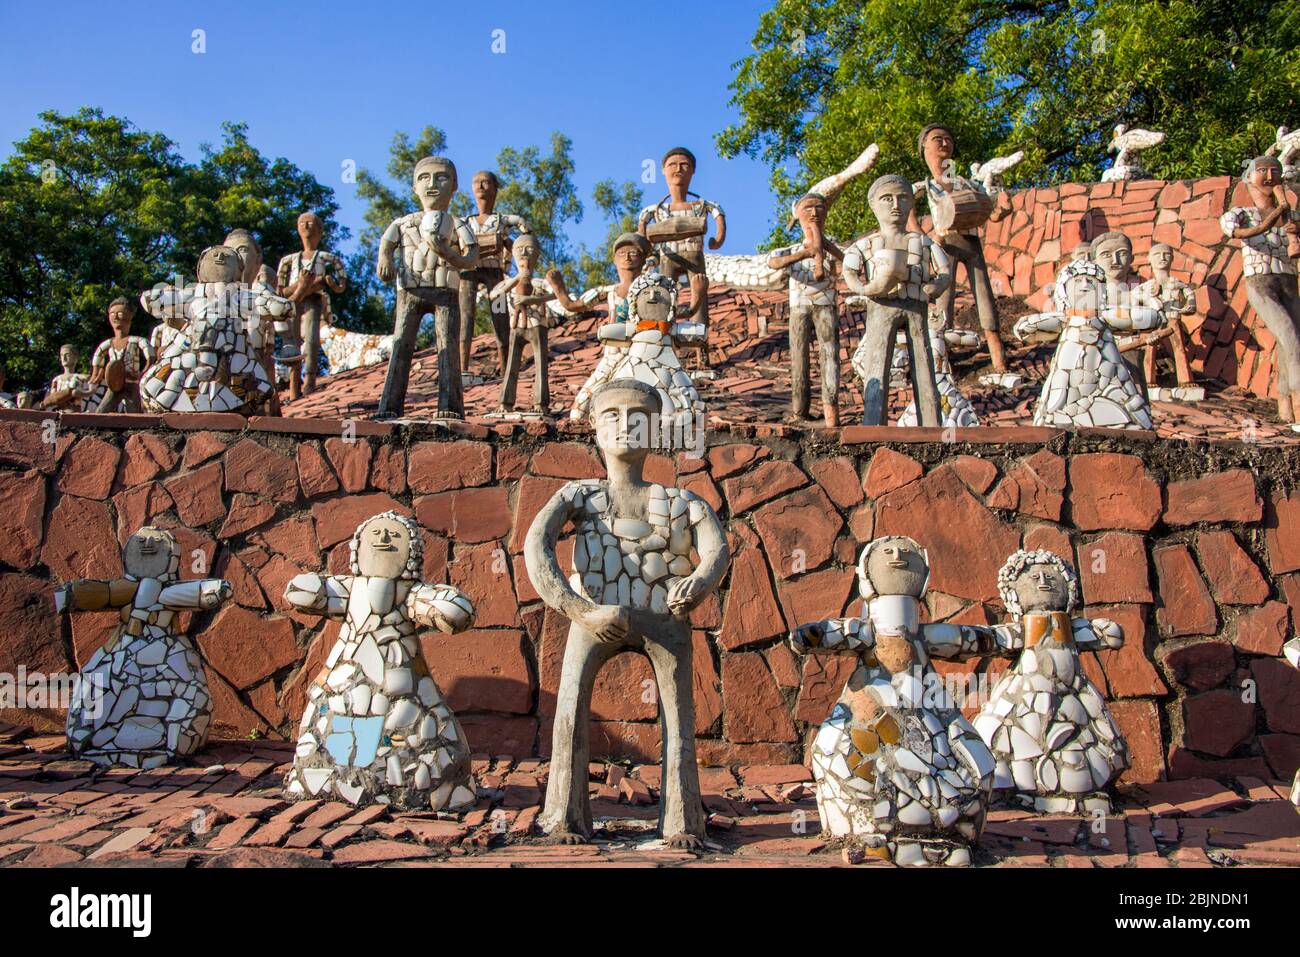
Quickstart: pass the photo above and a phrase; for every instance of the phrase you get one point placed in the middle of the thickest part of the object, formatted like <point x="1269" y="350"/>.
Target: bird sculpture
<point x="990" y="174"/>
<point x="1127" y="145"/>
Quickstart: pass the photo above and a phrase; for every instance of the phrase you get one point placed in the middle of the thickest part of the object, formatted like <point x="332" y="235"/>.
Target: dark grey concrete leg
<point x="567" y="812"/>
<point x="451" y="396"/>
<point x="681" y="810"/>
<point x="925" y="390"/>
<point x="409" y="311"/>
<point x="881" y="323"/>
<point x="827" y="326"/>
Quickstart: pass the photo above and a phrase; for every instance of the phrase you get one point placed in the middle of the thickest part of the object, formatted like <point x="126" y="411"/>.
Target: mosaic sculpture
<point x="1177" y="299"/>
<point x="424" y="254"/>
<point x="142" y="700"/>
<point x="643" y="347"/>
<point x="676" y="225"/>
<point x="70" y="390"/>
<point x="1287" y="150"/>
<point x="119" y="361"/>
<point x="1128" y="145"/>
<point x="1291" y="651"/>
<point x="1088" y="382"/>
<point x="346" y="350"/>
<point x="213" y="364"/>
<point x="990" y="174"/>
<point x="261" y="328"/>
<point x="492" y="234"/>
<point x="958" y="208"/>
<point x="896" y="766"/>
<point x="533" y="310"/>
<point x="632" y="587"/>
<point x="897" y="271"/>
<point x="1056" y="744"/>
<point x="306" y="278"/>
<point x="1268" y="231"/>
<point x="376" y="728"/>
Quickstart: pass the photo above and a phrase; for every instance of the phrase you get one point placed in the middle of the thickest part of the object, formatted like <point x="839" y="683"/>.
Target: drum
<point x="961" y="210"/>
<point x="676" y="229"/>
<point x="115" y="376"/>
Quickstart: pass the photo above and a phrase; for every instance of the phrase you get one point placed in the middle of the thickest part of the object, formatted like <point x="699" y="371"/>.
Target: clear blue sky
<point x="323" y="81"/>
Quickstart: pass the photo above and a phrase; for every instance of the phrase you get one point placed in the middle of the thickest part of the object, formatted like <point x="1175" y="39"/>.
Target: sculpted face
<point x="1083" y="292"/>
<point x="249" y="253"/>
<point x="1267" y="173"/>
<point x="220" y="264"/>
<point x="148" y="553"/>
<point x="68" y="357"/>
<point x="624" y="420"/>
<point x="938" y="148"/>
<point x="527" y="252"/>
<point x="654" y="303"/>
<point x="434" y="181"/>
<point x="1081" y="252"/>
<point x="1042" y="588"/>
<point x="485" y="192"/>
<point x="310" y="230"/>
<point x="1116" y="258"/>
<point x="119" y="317"/>
<point x="897" y="567"/>
<point x="811" y="213"/>
<point x="629" y="258"/>
<point x="1162" y="257"/>
<point x="384" y="548"/>
<point x="892" y="203"/>
<point x="678" y="170"/>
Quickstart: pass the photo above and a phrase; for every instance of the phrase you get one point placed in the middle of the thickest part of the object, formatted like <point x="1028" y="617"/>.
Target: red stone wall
<point x="1026" y="249"/>
<point x="1195" y="550"/>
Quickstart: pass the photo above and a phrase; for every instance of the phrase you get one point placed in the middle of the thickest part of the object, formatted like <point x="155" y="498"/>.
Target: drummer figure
<point x="676" y="225"/>
<point x="119" y="361"/>
<point x="944" y="187"/>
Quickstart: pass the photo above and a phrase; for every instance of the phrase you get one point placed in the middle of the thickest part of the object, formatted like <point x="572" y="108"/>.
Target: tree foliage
<point x="95" y="208"/>
<point x="1051" y="77"/>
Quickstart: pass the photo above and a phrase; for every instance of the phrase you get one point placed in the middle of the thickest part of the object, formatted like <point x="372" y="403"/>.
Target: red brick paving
<point x="770" y="819"/>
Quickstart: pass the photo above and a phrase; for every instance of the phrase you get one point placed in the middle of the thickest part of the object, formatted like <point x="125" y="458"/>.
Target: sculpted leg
<point x="800" y="327"/>
<point x="828" y="338"/>
<point x="567" y="813"/>
<point x="467" y="292"/>
<point x="311" y="343"/>
<point x="874" y="356"/>
<point x="924" y="389"/>
<point x="514" y="358"/>
<point x="541" y="363"/>
<point x="451" y="398"/>
<point x="681" y="814"/>
<point x="409" y="311"/>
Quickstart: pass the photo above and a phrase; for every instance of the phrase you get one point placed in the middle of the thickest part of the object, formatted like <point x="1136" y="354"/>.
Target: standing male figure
<point x="425" y="254"/>
<point x="899" y="270"/>
<point x="633" y="587"/>
<point x="811" y="268"/>
<point x="684" y="255"/>
<point x="304" y="278"/>
<point x="937" y="146"/>
<point x="492" y="233"/>
<point x="1266" y="231"/>
<point x="120" y="360"/>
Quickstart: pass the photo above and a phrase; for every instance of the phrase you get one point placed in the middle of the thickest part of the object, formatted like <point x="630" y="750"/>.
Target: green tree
<point x="540" y="189"/>
<point x="1051" y="77"/>
<point x="95" y="208"/>
<point x="619" y="204"/>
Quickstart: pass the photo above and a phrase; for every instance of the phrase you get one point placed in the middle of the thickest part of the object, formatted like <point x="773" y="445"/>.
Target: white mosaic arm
<point x="444" y="607"/>
<point x="1039" y="327"/>
<point x="959" y="642"/>
<point x="964" y="338"/>
<point x="1137" y="319"/>
<point x="543" y="566"/>
<point x="1097" y="634"/>
<point x="204" y="593"/>
<point x="743" y="272"/>
<point x="833" y="636"/>
<point x="327" y="596"/>
<point x="167" y="302"/>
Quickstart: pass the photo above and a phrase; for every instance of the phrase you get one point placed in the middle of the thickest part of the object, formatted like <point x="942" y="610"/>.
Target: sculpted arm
<point x="444" y="607"/>
<point x="88" y="594"/>
<point x="313" y="594"/>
